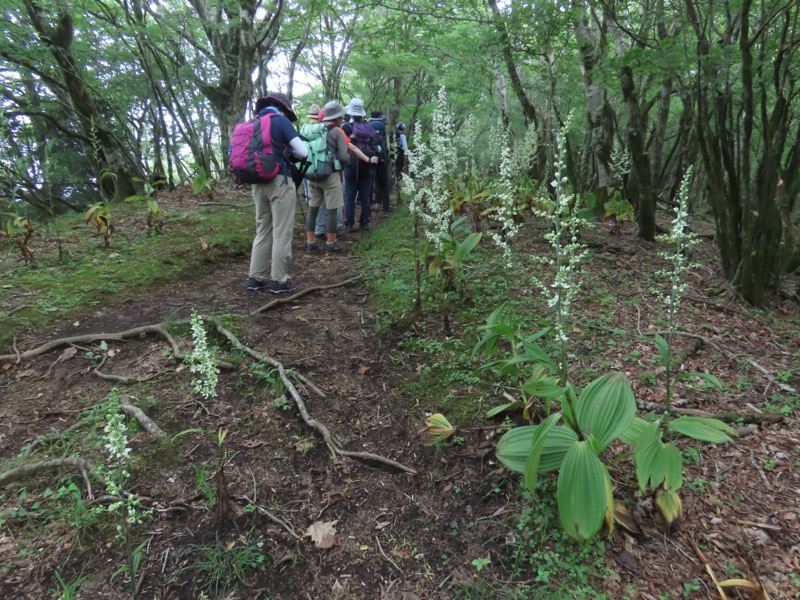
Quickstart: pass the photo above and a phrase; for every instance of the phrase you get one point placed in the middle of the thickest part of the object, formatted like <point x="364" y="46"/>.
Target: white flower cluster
<point x="118" y="461"/>
<point x="620" y="162"/>
<point x="563" y="237"/>
<point x="682" y="239"/>
<point x="432" y="166"/>
<point x="201" y="361"/>
<point x="504" y="209"/>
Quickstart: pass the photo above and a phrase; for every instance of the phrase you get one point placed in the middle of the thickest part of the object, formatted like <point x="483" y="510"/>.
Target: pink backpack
<point x="252" y="157"/>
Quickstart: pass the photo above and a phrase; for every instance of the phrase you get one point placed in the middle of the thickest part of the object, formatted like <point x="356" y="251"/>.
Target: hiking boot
<point x="364" y="227"/>
<point x="257" y="285"/>
<point x="277" y="287"/>
<point x="333" y="248"/>
<point x="312" y="247"/>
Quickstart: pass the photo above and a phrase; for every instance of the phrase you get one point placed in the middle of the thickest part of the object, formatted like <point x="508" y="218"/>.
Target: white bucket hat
<point x="356" y="108"/>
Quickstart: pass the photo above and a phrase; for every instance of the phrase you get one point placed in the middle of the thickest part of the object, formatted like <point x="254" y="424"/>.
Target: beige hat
<point x="313" y="112"/>
<point x="333" y="110"/>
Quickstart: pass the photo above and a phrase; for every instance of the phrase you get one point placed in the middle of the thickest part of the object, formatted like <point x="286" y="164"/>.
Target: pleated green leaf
<point x="631" y="435"/>
<point x="515" y="446"/>
<point x="657" y="463"/>
<point x="606" y="407"/>
<point x="703" y="429"/>
<point x="537" y="445"/>
<point x="581" y="494"/>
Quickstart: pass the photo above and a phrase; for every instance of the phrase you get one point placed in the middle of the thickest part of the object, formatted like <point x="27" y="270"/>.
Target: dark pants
<point x="382" y="186"/>
<point x="357" y="186"/>
<point x="399" y="165"/>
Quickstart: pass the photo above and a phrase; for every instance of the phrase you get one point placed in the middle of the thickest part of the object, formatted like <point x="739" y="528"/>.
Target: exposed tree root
<point x="159" y="329"/>
<point x="300" y="294"/>
<point x="145" y="421"/>
<point x="333" y="446"/>
<point x="32" y="469"/>
<point x="120" y="378"/>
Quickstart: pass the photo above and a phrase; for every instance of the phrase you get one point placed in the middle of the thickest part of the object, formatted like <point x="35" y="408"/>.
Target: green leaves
<point x="657" y="463"/>
<point x="515" y="446"/>
<point x="537" y="446"/>
<point x="606" y="408"/>
<point x="713" y="431"/>
<point x="582" y="500"/>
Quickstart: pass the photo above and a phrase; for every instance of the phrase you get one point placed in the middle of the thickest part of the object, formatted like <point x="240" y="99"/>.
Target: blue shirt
<point x="282" y="133"/>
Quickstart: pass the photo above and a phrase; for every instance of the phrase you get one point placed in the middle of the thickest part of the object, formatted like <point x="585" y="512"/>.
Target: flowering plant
<point x="201" y="359"/>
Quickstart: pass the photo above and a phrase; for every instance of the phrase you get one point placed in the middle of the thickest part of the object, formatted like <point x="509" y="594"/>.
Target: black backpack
<point x="380" y="134"/>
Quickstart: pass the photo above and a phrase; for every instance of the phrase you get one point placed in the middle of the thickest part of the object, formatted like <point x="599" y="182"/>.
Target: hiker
<point x="315" y="115"/>
<point x="402" y="149"/>
<point x="275" y="202"/>
<point x="358" y="179"/>
<point x="377" y="120"/>
<point x="327" y="195"/>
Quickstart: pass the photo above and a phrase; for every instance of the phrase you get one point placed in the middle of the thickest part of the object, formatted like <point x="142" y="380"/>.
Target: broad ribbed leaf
<point x="515" y="446"/>
<point x="606" y="407"/>
<point x="631" y="435"/>
<point x="699" y="428"/>
<point x="645" y="456"/>
<point x="673" y="467"/>
<point x="537" y="445"/>
<point x="656" y="462"/>
<point x="582" y="492"/>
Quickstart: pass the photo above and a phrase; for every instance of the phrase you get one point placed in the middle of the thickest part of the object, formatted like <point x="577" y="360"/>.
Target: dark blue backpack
<point x="365" y="138"/>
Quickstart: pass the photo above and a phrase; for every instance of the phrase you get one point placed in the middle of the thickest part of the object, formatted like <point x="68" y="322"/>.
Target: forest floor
<point x="458" y="527"/>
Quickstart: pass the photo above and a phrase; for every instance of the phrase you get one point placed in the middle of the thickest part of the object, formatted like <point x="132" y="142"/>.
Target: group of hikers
<point x="359" y="159"/>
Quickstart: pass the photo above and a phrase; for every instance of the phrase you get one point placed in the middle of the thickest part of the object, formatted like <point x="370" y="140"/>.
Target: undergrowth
<point x="68" y="251"/>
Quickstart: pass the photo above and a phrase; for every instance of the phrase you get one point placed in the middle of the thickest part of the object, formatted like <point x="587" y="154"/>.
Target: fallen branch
<point x="300" y="294"/>
<point x="333" y="446"/>
<point x="726" y="417"/>
<point x="390" y="561"/>
<point x="31" y="469"/>
<point x="145" y="421"/>
<point x="275" y="519"/>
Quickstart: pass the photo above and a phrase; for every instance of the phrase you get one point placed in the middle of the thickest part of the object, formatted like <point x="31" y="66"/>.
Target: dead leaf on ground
<point x="304" y="446"/>
<point x="363" y="369"/>
<point x="203" y="244"/>
<point x="253" y="443"/>
<point x="323" y="534"/>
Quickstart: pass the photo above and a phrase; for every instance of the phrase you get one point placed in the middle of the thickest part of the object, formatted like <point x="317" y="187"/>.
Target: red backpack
<point x="253" y="158"/>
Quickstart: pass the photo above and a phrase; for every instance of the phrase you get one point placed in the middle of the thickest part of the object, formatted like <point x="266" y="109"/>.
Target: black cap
<point x="376" y="114"/>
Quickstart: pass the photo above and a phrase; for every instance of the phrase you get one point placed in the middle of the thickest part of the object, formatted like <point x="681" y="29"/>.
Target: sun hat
<point x="279" y="100"/>
<point x="356" y="108"/>
<point x="313" y="112"/>
<point x="321" y="116"/>
<point x="401" y="125"/>
<point x="333" y="110"/>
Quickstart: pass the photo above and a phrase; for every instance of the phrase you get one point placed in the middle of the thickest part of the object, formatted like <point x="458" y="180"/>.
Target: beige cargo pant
<point x="272" y="247"/>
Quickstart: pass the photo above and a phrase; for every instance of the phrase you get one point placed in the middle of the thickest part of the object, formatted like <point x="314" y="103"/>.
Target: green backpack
<point x="320" y="159"/>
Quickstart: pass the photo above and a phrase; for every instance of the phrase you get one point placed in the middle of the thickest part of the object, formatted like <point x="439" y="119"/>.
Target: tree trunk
<point x="117" y="168"/>
<point x="599" y="111"/>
